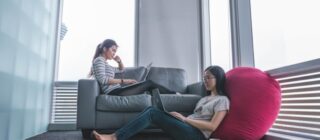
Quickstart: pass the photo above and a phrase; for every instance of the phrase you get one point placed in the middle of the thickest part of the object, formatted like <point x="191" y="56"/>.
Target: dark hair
<point x="108" y="43"/>
<point x="220" y="76"/>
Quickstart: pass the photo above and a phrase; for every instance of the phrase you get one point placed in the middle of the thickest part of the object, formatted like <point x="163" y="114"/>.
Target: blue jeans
<point x="169" y="124"/>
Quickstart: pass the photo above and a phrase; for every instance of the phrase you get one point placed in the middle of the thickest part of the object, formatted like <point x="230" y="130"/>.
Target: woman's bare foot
<point x="97" y="135"/>
<point x="103" y="136"/>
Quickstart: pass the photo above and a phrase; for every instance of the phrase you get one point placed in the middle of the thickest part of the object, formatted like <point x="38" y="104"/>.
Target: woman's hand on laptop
<point x="129" y="81"/>
<point x="178" y="116"/>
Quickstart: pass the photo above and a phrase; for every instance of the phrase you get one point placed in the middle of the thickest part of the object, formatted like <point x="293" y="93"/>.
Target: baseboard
<point x="62" y="127"/>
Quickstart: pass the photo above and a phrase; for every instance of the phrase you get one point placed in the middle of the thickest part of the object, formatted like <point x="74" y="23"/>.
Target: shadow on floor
<point x="76" y="135"/>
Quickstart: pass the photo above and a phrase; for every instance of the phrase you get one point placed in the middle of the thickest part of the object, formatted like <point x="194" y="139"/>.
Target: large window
<point x="88" y="24"/>
<point x="221" y="53"/>
<point x="285" y="32"/>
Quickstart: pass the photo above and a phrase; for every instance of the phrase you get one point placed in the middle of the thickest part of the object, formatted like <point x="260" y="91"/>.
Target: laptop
<point x="158" y="102"/>
<point x="143" y="79"/>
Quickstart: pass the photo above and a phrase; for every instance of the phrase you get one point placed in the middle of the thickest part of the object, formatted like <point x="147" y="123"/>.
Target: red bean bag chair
<point x="255" y="100"/>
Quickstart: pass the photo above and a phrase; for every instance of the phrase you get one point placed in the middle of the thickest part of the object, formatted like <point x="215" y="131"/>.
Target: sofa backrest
<point x="172" y="78"/>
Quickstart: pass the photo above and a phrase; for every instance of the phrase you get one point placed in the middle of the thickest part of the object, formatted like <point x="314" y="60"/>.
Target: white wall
<point x="169" y="35"/>
<point x="27" y="52"/>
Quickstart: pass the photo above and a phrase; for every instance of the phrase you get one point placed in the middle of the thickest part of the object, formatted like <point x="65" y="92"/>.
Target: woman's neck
<point x="214" y="92"/>
<point x="104" y="56"/>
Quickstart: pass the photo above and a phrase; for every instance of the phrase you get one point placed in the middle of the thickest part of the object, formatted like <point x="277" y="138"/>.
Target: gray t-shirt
<point x="102" y="71"/>
<point x="206" y="108"/>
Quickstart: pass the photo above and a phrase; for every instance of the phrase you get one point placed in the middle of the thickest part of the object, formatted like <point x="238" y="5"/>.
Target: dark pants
<point x="169" y="124"/>
<point x="137" y="88"/>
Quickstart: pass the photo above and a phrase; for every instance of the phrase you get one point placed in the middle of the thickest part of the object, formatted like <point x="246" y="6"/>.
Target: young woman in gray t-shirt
<point x="208" y="114"/>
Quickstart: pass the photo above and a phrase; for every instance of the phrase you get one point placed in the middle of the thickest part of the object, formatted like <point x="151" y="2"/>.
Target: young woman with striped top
<point x="105" y="73"/>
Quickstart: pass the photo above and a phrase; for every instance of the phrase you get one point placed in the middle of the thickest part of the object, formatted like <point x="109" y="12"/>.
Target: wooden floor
<point x="76" y="135"/>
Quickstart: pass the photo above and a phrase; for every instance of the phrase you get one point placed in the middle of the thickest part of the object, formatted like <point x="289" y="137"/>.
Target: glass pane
<point x="27" y="48"/>
<point x="221" y="53"/>
<point x="285" y="32"/>
<point x="88" y="24"/>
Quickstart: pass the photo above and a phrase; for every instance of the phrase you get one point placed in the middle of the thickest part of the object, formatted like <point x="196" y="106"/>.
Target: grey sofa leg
<point x="86" y="133"/>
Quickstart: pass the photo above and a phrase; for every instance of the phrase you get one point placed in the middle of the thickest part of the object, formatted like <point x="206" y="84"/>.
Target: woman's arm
<point x="203" y="125"/>
<point x="99" y="67"/>
<point x="212" y="125"/>
<point x="120" y="64"/>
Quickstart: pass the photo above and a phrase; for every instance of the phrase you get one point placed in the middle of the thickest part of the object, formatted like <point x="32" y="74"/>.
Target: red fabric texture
<point x="255" y="99"/>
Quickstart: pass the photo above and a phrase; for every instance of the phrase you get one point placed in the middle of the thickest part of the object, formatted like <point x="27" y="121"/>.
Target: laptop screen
<point x="147" y="72"/>
<point x="157" y="99"/>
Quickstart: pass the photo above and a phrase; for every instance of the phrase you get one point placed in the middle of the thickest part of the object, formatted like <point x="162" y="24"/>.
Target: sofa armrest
<point x="88" y="90"/>
<point x="197" y="88"/>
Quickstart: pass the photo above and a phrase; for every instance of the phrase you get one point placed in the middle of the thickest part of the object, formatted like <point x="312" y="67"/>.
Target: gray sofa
<point x="108" y="113"/>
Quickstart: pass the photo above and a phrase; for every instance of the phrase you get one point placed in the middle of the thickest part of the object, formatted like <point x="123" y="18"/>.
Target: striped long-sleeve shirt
<point x="102" y="71"/>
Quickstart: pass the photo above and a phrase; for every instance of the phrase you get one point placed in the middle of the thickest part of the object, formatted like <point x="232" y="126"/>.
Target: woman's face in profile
<point x="209" y="81"/>
<point x="111" y="52"/>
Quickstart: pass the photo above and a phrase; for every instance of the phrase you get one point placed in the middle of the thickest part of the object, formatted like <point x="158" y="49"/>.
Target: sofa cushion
<point x="173" y="79"/>
<point x="136" y="73"/>
<point x="133" y="103"/>
<point x="179" y="102"/>
<point x="254" y="104"/>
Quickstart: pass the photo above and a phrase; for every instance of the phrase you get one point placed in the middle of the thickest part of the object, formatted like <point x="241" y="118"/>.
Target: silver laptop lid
<point x="157" y="99"/>
<point x="147" y="72"/>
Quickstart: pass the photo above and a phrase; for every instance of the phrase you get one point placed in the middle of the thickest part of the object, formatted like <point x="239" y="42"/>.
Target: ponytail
<point x="96" y="54"/>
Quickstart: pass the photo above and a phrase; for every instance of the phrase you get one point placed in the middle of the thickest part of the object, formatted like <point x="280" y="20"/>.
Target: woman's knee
<point x="153" y="111"/>
<point x="155" y="114"/>
<point x="150" y="108"/>
<point x="150" y="82"/>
